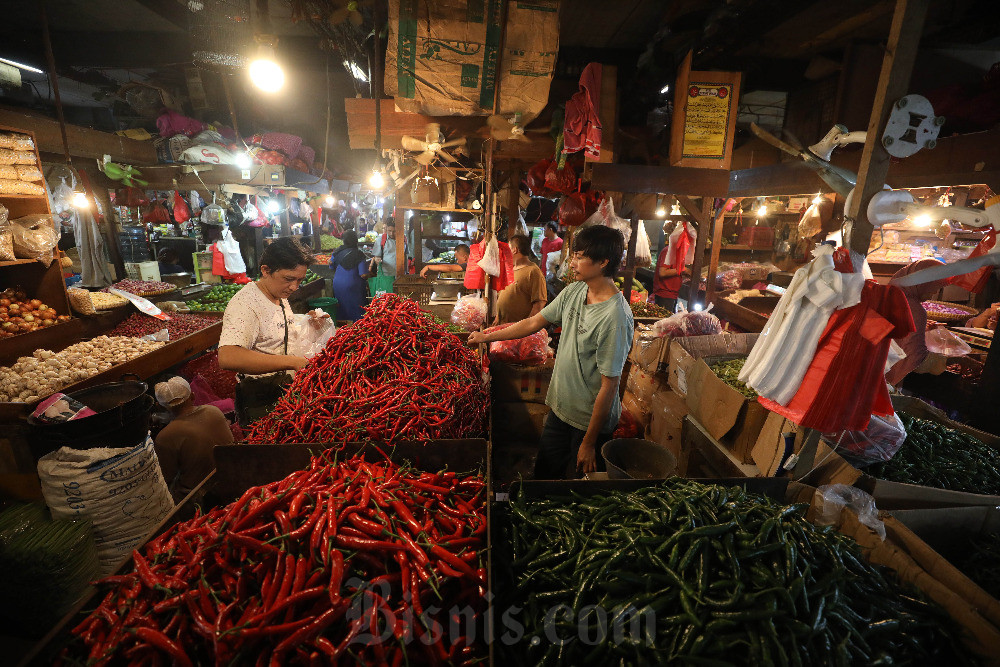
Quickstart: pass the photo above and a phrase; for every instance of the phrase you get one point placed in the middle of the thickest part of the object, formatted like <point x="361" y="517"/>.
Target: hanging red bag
<point x="976" y="280"/>
<point x="157" y="214"/>
<point x="506" y="276"/>
<point x="475" y="277"/>
<point x="130" y="196"/>
<point x="573" y="209"/>
<point x="182" y="213"/>
<point x="535" y="180"/>
<point x="562" y="180"/>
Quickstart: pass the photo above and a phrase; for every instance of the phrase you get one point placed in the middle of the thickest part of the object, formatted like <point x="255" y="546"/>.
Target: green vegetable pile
<point x="934" y="455"/>
<point x="688" y="573"/>
<point x="329" y="242"/>
<point x="729" y="372"/>
<point x="636" y="285"/>
<point x="215" y="300"/>
<point x="311" y="277"/>
<point x="45" y="567"/>
<point x="979" y="559"/>
<point x="447" y="257"/>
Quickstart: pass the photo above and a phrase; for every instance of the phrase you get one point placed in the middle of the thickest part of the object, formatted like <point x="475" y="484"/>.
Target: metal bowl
<point x="177" y="279"/>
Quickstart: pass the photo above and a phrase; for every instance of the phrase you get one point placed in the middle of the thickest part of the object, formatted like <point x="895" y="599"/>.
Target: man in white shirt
<point x="384" y="253"/>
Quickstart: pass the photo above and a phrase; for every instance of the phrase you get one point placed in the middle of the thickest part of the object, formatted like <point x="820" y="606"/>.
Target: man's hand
<point x="477" y="337"/>
<point x="296" y="363"/>
<point x="423" y="271"/>
<point x="586" y="458"/>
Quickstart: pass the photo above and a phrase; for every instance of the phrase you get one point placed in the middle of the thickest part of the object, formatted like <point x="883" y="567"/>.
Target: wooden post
<point x="713" y="264"/>
<point x="703" y="216"/>
<point x="400" y="245"/>
<point x="629" y="274"/>
<point x="897" y="65"/>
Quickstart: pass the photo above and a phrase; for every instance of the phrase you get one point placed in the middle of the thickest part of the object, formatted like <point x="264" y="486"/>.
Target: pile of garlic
<point x="46" y="372"/>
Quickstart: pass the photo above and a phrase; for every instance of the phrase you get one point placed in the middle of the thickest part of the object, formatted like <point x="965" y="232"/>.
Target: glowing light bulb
<point x="354" y="204"/>
<point x="330" y="201"/>
<point x="661" y="212"/>
<point x="762" y="211"/>
<point x="447" y="218"/>
<point x="80" y="200"/>
<point x="665" y="89"/>
<point x="922" y="220"/>
<point x="675" y="209"/>
<point x="267" y="75"/>
<point x="476" y="205"/>
<point x="818" y="199"/>
<point x="696" y="307"/>
<point x="376" y="180"/>
<point x="409" y="214"/>
<point x="271" y="207"/>
<point x="242" y="160"/>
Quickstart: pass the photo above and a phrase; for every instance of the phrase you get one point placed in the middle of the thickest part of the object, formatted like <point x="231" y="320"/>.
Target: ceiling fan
<point x="432" y="145"/>
<point x="396" y="168"/>
<point x="841" y="180"/>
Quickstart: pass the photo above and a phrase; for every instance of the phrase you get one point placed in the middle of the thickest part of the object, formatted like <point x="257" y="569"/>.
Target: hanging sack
<point x="475" y="277"/>
<point x="573" y="209"/>
<point x="559" y="180"/>
<point x="230" y="249"/>
<point x="643" y="254"/>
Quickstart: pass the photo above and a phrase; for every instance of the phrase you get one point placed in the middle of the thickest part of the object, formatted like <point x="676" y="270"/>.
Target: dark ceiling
<point x="99" y="44"/>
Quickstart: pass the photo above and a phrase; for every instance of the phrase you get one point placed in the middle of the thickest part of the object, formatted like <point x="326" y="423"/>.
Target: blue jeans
<point x="558" y="449"/>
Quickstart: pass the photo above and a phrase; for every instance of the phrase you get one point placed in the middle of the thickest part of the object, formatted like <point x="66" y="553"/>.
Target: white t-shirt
<point x="254" y="322"/>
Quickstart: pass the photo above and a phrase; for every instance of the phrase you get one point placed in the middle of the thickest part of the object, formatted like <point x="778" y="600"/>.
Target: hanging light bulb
<point x="447" y="218"/>
<point x="376" y="180"/>
<point x="922" y="220"/>
<point x="330" y="201"/>
<point x="675" y="209"/>
<point x="242" y="160"/>
<point x="354" y="204"/>
<point x="696" y="307"/>
<point x="265" y="72"/>
<point x="762" y="211"/>
<point x="80" y="200"/>
<point x="272" y="207"/>
<point x="818" y="199"/>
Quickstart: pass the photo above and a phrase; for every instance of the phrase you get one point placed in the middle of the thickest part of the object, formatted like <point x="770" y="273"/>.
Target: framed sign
<point x="704" y="121"/>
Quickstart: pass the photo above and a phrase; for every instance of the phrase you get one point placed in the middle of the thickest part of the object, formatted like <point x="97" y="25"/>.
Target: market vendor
<point x="254" y="339"/>
<point x="184" y="446"/>
<point x="597" y="329"/>
<point x="461" y="259"/>
<point x="672" y="264"/>
<point x="384" y="253"/>
<point x="350" y="273"/>
<point x="168" y="261"/>
<point x="551" y="243"/>
<point x="526" y="296"/>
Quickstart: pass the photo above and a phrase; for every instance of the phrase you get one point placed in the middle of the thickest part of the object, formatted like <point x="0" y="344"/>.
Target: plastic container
<point x="327" y="303"/>
<point x="123" y="410"/>
<point x="633" y="458"/>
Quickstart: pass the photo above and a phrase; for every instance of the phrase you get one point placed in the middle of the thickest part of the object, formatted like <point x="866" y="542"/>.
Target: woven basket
<point x="949" y="318"/>
<point x="414" y="287"/>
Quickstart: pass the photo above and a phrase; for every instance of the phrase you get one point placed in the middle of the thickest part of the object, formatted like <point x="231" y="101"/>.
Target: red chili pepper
<point x="162" y="642"/>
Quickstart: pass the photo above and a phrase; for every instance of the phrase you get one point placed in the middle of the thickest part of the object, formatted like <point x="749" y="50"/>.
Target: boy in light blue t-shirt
<point x="597" y="330"/>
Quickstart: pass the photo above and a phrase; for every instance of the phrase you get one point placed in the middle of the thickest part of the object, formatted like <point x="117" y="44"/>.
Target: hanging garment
<point x="781" y="356"/>
<point x="844" y="383"/>
<point x="583" y="122"/>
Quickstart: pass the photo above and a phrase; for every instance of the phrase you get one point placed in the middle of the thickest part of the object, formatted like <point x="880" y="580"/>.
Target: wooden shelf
<point x="741" y="248"/>
<point x="12" y="196"/>
<point x="17" y="262"/>
<point x="438" y="209"/>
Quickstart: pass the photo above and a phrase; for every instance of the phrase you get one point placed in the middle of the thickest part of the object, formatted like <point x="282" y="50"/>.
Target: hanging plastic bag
<point x="535" y="179"/>
<point x="573" y="209"/>
<point x="559" y="180"/>
<point x="34" y="237"/>
<point x="521" y="227"/>
<point x="944" y="342"/>
<point x="6" y="237"/>
<point x="230" y="250"/>
<point x="643" y="253"/>
<point x="213" y="214"/>
<point x="878" y="443"/>
<point x="181" y="211"/>
<point x="157" y="214"/>
<point x="975" y="281"/>
<point x="833" y="498"/>
<point x="490" y="263"/>
<point x="475" y="277"/>
<point x="308" y="335"/>
<point x="469" y="312"/>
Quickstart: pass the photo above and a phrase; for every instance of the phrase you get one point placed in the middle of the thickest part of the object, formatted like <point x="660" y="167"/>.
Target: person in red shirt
<point x="669" y="268"/>
<point x="551" y="243"/>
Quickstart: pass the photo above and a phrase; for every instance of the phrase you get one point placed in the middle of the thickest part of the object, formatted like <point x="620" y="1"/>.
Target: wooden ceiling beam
<point x="665" y="180"/>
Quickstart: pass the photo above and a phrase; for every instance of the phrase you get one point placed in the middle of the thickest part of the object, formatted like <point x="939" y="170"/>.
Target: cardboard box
<point x="513" y="382"/>
<point x="518" y="422"/>
<point x="638" y="409"/>
<point x="667" y="411"/>
<point x="908" y="557"/>
<point x="726" y="414"/>
<point x="685" y="351"/>
<point x="823" y="465"/>
<point x="650" y="352"/>
<point x="703" y="451"/>
<point x="643" y="385"/>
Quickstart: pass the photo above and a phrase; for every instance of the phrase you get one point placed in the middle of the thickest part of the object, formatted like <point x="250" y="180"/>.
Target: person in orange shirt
<point x="526" y="296"/>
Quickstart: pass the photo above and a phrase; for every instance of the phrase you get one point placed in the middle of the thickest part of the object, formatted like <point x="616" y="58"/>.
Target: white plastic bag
<point x="833" y="498"/>
<point x="490" y="263"/>
<point x="230" y="249"/>
<point x="35" y="237"/>
<point x="879" y="442"/>
<point x="306" y="339"/>
<point x="643" y="254"/>
<point x="121" y="491"/>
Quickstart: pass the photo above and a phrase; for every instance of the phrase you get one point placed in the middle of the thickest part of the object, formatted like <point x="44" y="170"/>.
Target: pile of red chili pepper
<point x="350" y="562"/>
<point x="178" y="326"/>
<point x="393" y="375"/>
<point x="223" y="382"/>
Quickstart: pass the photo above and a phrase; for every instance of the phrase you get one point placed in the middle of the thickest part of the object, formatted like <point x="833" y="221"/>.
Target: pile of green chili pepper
<point x="978" y="558"/>
<point x="349" y="562"/>
<point x="729" y="372"/>
<point x="935" y="455"/>
<point x="688" y="573"/>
